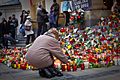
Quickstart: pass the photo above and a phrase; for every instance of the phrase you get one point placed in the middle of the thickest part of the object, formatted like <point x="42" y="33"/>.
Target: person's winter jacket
<point x="41" y="14"/>
<point x="39" y="54"/>
<point x="28" y="24"/>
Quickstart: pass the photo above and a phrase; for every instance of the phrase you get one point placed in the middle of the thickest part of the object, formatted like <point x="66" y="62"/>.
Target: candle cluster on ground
<point x="15" y="58"/>
<point x="93" y="47"/>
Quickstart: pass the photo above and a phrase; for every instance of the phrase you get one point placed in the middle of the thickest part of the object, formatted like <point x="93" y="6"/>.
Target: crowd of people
<point x="8" y="31"/>
<point x="9" y="27"/>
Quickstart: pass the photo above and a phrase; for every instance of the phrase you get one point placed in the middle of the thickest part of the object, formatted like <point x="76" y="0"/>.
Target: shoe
<point x="52" y="71"/>
<point x="59" y="74"/>
<point x="25" y="36"/>
<point x="56" y="72"/>
<point x="41" y="73"/>
<point x="45" y="73"/>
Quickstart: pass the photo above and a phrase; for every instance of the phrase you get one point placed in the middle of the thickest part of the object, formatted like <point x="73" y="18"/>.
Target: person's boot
<point x="56" y="71"/>
<point x="52" y="71"/>
<point x="41" y="73"/>
<point x="47" y="73"/>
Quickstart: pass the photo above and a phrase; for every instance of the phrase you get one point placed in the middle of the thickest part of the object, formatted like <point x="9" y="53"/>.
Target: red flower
<point x="63" y="30"/>
<point x="79" y="17"/>
<point x="72" y="18"/>
<point x="103" y="38"/>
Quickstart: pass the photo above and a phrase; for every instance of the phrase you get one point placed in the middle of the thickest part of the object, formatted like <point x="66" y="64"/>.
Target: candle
<point x="74" y="67"/>
<point x="63" y="67"/>
<point x="68" y="67"/>
<point x="82" y="66"/>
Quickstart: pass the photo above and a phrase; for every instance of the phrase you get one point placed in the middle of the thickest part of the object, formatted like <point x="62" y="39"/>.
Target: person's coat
<point x="28" y="24"/>
<point x="38" y="54"/>
<point x="41" y="14"/>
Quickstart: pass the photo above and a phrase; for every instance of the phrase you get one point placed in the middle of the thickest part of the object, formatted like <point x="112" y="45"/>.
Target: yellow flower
<point x="69" y="46"/>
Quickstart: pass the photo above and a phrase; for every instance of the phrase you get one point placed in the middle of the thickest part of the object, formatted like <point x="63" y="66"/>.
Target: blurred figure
<point x="10" y="24"/>
<point x="41" y="19"/>
<point x="6" y="33"/>
<point x="54" y="13"/>
<point x="14" y="26"/>
<point x="23" y="17"/>
<point x="1" y="34"/>
<point x="116" y="7"/>
<point x="65" y="7"/>
<point x="22" y="21"/>
<point x="41" y="53"/>
<point x="28" y="30"/>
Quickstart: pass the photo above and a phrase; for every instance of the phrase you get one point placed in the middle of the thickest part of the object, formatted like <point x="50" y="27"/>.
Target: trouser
<point x="56" y="20"/>
<point x="67" y="17"/>
<point x="30" y="37"/>
<point x="50" y="71"/>
<point x="6" y="39"/>
<point x="13" y="34"/>
<point x="42" y="28"/>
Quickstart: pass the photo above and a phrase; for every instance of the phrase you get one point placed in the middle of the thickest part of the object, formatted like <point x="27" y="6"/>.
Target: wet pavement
<point x="107" y="73"/>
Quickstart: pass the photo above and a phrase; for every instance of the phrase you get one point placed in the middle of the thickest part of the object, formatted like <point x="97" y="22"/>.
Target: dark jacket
<point x="41" y="14"/>
<point x="14" y="24"/>
<point x="4" y="27"/>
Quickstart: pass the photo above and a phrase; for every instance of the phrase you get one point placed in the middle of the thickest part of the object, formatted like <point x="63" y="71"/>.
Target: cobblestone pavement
<point x="110" y="73"/>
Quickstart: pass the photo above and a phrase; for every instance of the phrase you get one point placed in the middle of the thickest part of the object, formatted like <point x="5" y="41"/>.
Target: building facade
<point x="8" y="8"/>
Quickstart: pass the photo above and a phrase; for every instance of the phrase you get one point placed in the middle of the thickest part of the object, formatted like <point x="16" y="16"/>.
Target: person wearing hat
<point x="40" y="53"/>
<point x="29" y="33"/>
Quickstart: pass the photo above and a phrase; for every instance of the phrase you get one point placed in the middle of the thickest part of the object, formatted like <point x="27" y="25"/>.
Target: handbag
<point x="22" y="29"/>
<point x="27" y="28"/>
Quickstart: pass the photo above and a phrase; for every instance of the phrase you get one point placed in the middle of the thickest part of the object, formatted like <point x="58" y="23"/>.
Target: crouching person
<point x="41" y="53"/>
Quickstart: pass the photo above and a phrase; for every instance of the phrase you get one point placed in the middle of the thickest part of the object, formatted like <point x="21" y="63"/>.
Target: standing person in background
<point x="6" y="33"/>
<point x="28" y="30"/>
<point x="22" y="21"/>
<point x="14" y="26"/>
<point x="54" y="10"/>
<point x="22" y="17"/>
<point x="65" y="7"/>
<point x="41" y="14"/>
<point x="10" y="24"/>
<point x="1" y="37"/>
<point x="116" y="7"/>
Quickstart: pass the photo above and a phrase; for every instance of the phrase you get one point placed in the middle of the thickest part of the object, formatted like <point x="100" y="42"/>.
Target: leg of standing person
<point x="32" y="37"/>
<point x="13" y="41"/>
<point x="13" y="34"/>
<point x="5" y="42"/>
<point x="44" y="28"/>
<point x="57" y="17"/>
<point x="28" y="39"/>
<point x="55" y="21"/>
<point x="67" y="18"/>
<point x="39" y="29"/>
